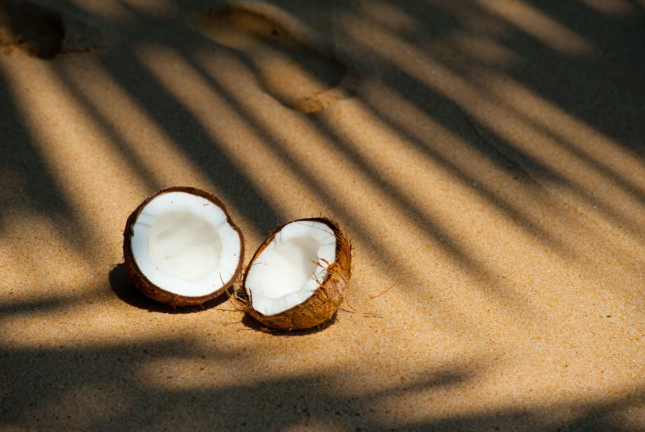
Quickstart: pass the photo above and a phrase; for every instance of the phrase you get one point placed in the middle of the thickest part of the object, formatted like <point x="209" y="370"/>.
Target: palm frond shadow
<point x="157" y="384"/>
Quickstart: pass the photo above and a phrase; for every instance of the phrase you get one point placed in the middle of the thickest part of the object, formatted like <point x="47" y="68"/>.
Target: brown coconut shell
<point x="324" y="302"/>
<point x="155" y="292"/>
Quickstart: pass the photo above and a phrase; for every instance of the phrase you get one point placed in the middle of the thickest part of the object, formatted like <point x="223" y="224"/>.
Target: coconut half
<point x="181" y="247"/>
<point x="298" y="277"/>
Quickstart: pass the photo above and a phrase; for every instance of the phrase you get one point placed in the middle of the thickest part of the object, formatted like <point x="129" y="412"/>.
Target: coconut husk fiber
<point x="324" y="302"/>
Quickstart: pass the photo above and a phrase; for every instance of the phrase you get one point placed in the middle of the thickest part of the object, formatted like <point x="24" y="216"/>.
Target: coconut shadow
<point x="249" y="322"/>
<point x="126" y="291"/>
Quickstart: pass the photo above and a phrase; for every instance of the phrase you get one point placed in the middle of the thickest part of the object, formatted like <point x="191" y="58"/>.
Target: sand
<point x="486" y="157"/>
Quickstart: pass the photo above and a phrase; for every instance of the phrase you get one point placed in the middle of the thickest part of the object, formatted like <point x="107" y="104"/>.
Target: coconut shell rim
<point x="149" y="289"/>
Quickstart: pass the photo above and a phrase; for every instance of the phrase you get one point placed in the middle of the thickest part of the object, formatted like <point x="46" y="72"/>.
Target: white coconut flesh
<point x="183" y="244"/>
<point x="291" y="268"/>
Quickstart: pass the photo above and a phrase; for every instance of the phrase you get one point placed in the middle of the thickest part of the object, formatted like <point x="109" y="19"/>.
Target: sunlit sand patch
<point x="537" y="24"/>
<point x="570" y="228"/>
<point x="313" y="425"/>
<point x="486" y="51"/>
<point x="607" y="176"/>
<point x="43" y="254"/>
<point x="201" y="372"/>
<point x="394" y="17"/>
<point x="133" y="124"/>
<point x="506" y="122"/>
<point x="600" y="148"/>
<point x="108" y="11"/>
<point x="45" y="104"/>
<point x="611" y="7"/>
<point x="38" y="31"/>
<point x="151" y="7"/>
<point x="204" y="368"/>
<point x="448" y="408"/>
<point x="458" y="45"/>
<point x="291" y="70"/>
<point x="460" y="212"/>
<point x="514" y="374"/>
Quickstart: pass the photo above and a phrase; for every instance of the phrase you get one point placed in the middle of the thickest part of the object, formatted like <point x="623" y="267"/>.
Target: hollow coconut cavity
<point x="298" y="277"/>
<point x="182" y="248"/>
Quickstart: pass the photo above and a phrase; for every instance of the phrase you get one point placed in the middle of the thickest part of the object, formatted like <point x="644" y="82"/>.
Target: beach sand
<point x="486" y="158"/>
